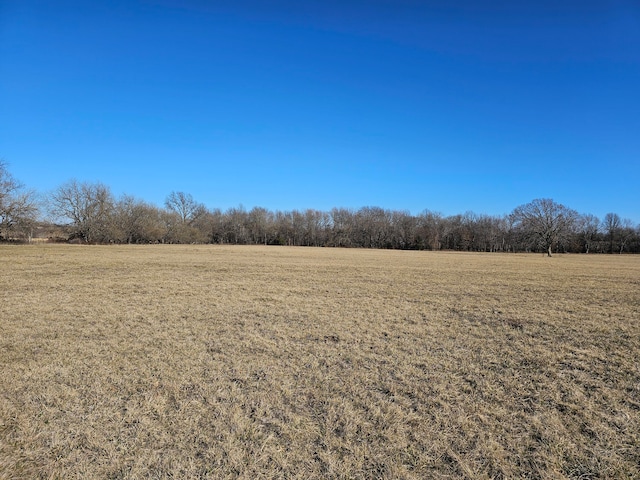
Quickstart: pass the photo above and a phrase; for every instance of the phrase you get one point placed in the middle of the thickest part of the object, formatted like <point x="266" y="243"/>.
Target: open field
<point x="274" y="362"/>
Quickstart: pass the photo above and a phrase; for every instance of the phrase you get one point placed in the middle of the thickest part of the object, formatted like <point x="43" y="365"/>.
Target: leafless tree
<point x="284" y="228"/>
<point x="315" y="227"/>
<point x="87" y="206"/>
<point x="342" y="226"/>
<point x="611" y="225"/>
<point x="18" y="207"/>
<point x="430" y="230"/>
<point x="545" y="222"/>
<point x="212" y="226"/>
<point x="185" y="207"/>
<point x="135" y="221"/>
<point x="588" y="229"/>
<point x="236" y="224"/>
<point x="627" y="232"/>
<point x="372" y="228"/>
<point x="260" y="221"/>
<point x="490" y="233"/>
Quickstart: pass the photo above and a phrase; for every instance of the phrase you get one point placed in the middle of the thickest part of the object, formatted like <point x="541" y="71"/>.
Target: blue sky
<point x="410" y="105"/>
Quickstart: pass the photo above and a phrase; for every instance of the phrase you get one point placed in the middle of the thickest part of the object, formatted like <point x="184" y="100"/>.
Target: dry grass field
<point x="272" y="362"/>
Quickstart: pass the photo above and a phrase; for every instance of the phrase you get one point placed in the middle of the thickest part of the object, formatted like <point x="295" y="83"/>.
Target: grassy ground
<point x="274" y="362"/>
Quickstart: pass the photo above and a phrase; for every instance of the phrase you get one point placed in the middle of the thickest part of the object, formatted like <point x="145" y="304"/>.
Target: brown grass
<point x="274" y="362"/>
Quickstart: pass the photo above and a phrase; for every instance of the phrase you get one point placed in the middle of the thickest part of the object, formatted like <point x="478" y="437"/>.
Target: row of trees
<point x="89" y="212"/>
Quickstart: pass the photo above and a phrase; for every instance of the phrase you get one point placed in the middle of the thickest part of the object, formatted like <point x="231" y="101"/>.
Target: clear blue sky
<point x="412" y="105"/>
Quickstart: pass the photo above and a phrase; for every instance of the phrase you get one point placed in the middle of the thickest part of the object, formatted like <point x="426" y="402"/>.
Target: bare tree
<point x="452" y="229"/>
<point x="284" y="228"/>
<point x="185" y="206"/>
<point x="627" y="232"/>
<point x="342" y="225"/>
<point x="545" y="222"/>
<point x="403" y="229"/>
<point x="372" y="228"/>
<point x="259" y="220"/>
<point x="588" y="229"/>
<point x="88" y="207"/>
<point x="237" y="221"/>
<point x="612" y="225"/>
<point x="135" y="221"/>
<point x="212" y="226"/>
<point x="430" y="230"/>
<point x="18" y="207"/>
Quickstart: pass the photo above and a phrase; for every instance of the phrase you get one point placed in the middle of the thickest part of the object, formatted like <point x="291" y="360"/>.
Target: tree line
<point x="89" y="213"/>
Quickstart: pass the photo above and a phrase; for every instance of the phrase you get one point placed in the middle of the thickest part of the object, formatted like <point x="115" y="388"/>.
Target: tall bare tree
<point x="18" y="207"/>
<point x="545" y="222"/>
<point x="185" y="206"/>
